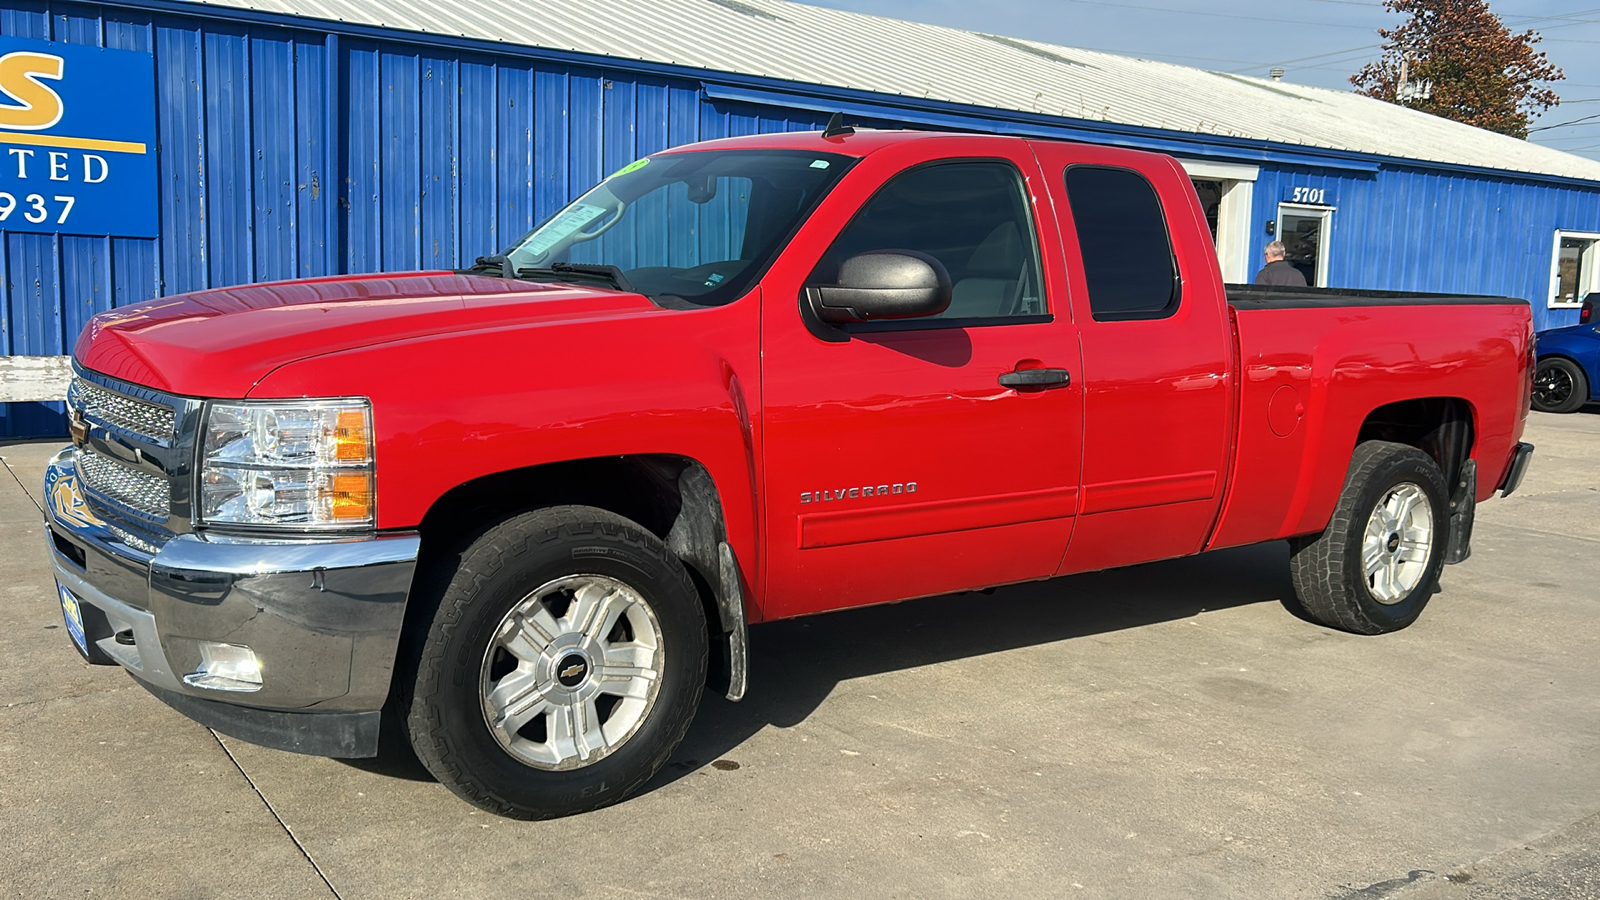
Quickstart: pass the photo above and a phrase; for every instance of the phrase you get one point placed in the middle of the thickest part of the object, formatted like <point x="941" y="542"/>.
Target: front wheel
<point x="1374" y="567"/>
<point x="1559" y="386"/>
<point x="562" y="667"/>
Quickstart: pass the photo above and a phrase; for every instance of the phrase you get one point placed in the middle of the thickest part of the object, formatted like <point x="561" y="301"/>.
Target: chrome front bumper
<point x="322" y="616"/>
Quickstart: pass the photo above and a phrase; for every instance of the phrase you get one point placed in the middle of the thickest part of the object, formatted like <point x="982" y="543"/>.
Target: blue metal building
<point x="302" y="139"/>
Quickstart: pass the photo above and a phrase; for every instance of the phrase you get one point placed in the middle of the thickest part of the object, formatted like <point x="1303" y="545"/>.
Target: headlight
<point x="300" y="464"/>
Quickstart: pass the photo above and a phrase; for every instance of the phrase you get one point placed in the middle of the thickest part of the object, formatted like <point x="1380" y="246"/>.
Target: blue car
<point x="1568" y="373"/>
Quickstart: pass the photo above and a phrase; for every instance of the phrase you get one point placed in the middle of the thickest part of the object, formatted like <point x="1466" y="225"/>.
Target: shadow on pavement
<point x="795" y="664"/>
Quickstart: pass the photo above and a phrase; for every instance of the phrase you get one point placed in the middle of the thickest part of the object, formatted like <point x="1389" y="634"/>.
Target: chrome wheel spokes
<point x="1397" y="543"/>
<point x="572" y="672"/>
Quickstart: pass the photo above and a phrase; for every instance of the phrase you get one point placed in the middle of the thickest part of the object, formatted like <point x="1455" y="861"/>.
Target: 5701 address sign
<point x="77" y="139"/>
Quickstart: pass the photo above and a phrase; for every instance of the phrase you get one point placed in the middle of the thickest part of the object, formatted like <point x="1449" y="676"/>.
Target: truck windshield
<point x="685" y="229"/>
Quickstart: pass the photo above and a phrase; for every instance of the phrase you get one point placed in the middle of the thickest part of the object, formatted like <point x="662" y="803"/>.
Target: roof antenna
<point x="837" y="127"/>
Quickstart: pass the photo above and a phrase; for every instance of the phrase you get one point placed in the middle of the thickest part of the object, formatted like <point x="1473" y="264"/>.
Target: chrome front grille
<point x="139" y="417"/>
<point x="142" y="492"/>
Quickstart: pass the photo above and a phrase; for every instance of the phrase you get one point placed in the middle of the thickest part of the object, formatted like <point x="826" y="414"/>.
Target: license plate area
<point x="72" y="612"/>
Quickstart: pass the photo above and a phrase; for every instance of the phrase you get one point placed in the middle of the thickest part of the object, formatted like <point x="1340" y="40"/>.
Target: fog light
<point x="226" y="667"/>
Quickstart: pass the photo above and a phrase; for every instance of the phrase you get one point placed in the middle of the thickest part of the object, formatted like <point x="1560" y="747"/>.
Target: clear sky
<point x="1317" y="42"/>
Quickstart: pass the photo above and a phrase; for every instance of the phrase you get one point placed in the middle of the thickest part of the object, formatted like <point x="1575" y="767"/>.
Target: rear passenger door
<point x="897" y="461"/>
<point x="1157" y="354"/>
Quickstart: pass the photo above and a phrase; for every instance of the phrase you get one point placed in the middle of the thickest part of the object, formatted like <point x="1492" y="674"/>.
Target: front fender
<point x="451" y="408"/>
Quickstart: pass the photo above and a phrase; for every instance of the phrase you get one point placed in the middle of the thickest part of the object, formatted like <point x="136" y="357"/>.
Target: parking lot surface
<point x="1168" y="730"/>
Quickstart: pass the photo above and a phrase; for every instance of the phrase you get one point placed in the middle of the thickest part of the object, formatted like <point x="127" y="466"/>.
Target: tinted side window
<point x="971" y="216"/>
<point x="1127" y="255"/>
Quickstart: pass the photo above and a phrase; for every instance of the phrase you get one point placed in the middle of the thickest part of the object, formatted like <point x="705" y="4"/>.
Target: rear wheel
<point x="562" y="667"/>
<point x="1374" y="567"/>
<point x="1559" y="386"/>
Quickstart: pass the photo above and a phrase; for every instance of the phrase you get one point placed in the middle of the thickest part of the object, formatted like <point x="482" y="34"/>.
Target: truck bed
<point x="1316" y="362"/>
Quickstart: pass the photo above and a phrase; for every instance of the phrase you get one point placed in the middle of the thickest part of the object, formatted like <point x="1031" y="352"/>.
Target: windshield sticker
<point x="634" y="166"/>
<point x="563" y="226"/>
<point x="819" y="164"/>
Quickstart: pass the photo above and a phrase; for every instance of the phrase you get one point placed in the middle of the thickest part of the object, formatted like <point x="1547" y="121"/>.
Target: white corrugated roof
<point x="792" y="41"/>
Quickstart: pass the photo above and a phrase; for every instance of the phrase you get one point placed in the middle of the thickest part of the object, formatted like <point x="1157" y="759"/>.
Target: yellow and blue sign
<point x="77" y="139"/>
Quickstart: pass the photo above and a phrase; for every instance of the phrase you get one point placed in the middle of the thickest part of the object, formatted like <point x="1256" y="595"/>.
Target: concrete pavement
<point x="1168" y="730"/>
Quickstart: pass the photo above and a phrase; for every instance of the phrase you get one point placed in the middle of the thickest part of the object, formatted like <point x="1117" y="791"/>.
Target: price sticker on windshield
<point x="566" y="222"/>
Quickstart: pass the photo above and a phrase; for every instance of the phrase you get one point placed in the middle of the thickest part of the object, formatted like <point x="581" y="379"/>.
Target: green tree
<point x="1456" y="59"/>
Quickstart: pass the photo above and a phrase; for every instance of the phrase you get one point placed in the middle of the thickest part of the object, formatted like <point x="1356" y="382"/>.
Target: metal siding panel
<point x="1474" y="260"/>
<point x="686" y="123"/>
<point x="126" y="30"/>
<point x="651" y="104"/>
<point x="438" y="192"/>
<point x="180" y="126"/>
<point x="713" y="121"/>
<point x="227" y="151"/>
<point x="399" y="189"/>
<point x="620" y="147"/>
<point x="310" y="180"/>
<point x="76" y="29"/>
<point x="33" y="322"/>
<point x="1443" y="257"/>
<point x="274" y="141"/>
<point x="1511" y="263"/>
<point x="135" y="262"/>
<point x="85" y="285"/>
<point x="1390" y="233"/>
<point x="586" y="118"/>
<point x="25" y="19"/>
<point x="1360" y="233"/>
<point x="33" y="289"/>
<point x="514" y="159"/>
<point x="1410" y="211"/>
<point x="364" y="162"/>
<point x="683" y="116"/>
<point x="480" y="111"/>
<point x="549" y="143"/>
<point x="134" y="275"/>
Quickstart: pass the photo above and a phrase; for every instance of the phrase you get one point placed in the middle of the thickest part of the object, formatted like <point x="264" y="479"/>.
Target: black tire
<point x="1559" y="386"/>
<point x="499" y="572"/>
<point x="1330" y="580"/>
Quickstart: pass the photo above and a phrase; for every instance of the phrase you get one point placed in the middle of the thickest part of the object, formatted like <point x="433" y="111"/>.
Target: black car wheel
<point x="1559" y="386"/>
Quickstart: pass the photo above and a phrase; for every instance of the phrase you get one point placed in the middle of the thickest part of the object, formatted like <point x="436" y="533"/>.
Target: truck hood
<point x="220" y="343"/>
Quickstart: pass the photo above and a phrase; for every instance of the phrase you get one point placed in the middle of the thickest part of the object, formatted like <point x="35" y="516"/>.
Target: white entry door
<point x="1304" y="232"/>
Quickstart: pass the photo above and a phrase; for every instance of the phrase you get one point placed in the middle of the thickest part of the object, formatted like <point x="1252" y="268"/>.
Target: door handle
<point x="1039" y="379"/>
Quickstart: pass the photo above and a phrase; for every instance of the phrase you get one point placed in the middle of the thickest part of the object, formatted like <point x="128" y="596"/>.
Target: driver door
<point x="896" y="464"/>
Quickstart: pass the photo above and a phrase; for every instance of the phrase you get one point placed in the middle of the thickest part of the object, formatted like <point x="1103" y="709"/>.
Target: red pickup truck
<point x="527" y="510"/>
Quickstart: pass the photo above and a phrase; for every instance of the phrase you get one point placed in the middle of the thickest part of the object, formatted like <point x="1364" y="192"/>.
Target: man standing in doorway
<point x="1277" y="271"/>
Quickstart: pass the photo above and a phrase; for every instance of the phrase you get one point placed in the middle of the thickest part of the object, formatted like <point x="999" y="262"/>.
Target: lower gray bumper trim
<point x="1520" y="457"/>
<point x="342" y="735"/>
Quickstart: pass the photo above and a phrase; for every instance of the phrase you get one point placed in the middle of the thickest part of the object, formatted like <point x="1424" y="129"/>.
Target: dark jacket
<point x="1281" y="273"/>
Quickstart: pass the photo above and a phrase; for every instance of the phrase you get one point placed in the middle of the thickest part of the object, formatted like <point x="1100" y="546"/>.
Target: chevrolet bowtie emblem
<point x="78" y="428"/>
<point x="572" y="671"/>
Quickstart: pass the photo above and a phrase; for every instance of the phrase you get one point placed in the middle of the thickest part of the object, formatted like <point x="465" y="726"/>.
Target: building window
<point x="1575" y="271"/>
<point x="1227" y="195"/>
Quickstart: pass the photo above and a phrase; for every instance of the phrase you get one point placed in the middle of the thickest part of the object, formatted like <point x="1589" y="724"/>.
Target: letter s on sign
<point x="19" y="82"/>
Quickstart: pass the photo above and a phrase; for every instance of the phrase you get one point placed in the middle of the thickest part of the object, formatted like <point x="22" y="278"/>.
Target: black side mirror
<point x="883" y="284"/>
